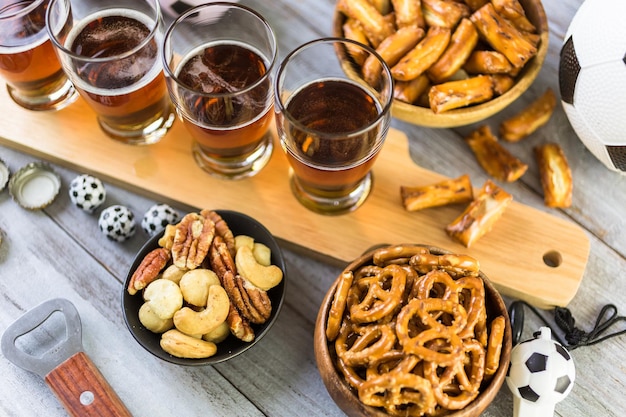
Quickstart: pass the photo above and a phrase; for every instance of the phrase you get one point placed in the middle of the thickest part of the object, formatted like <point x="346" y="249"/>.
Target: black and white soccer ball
<point x="157" y="217"/>
<point x="117" y="223"/>
<point x="87" y="192"/>
<point x="592" y="79"/>
<point x="541" y="374"/>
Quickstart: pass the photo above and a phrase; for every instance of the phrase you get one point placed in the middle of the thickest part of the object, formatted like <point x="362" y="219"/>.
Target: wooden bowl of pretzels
<point x="206" y="289"/>
<point x="413" y="330"/>
<point x="454" y="63"/>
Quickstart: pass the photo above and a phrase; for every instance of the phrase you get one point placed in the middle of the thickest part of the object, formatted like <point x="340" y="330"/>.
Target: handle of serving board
<point x="82" y="389"/>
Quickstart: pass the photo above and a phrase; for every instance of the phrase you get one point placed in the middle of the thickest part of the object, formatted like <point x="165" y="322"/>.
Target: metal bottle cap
<point x="35" y="185"/>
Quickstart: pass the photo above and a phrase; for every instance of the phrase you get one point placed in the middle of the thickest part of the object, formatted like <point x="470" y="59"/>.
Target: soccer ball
<point x="157" y="217"/>
<point x="117" y="223"/>
<point x="541" y="373"/>
<point x="592" y="79"/>
<point x="87" y="192"/>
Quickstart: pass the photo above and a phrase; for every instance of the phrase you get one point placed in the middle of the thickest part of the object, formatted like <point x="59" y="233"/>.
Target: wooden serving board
<point x="512" y="254"/>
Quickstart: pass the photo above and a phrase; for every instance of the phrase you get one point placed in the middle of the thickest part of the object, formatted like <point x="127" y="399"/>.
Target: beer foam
<point x="130" y="14"/>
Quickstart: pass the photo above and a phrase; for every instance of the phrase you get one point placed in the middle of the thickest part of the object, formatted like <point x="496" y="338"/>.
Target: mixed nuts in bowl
<point x="205" y="289"/>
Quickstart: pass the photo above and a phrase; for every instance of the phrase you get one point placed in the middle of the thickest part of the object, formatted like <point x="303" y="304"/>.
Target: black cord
<point x="574" y="336"/>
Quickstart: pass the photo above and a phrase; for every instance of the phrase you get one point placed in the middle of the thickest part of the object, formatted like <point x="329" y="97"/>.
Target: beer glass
<point x="219" y="58"/>
<point x="331" y="123"/>
<point x="28" y="63"/>
<point x="111" y="52"/>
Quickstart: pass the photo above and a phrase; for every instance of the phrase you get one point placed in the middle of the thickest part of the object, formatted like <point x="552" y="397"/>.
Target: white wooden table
<point x="59" y="252"/>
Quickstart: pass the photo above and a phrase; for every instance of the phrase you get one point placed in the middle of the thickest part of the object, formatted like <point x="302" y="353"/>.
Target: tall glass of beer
<point x="28" y="64"/>
<point x="111" y="52"/>
<point x="219" y="58"/>
<point x="331" y="122"/>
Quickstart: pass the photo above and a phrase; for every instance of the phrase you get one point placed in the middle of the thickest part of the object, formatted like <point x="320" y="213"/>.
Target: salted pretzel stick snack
<point x="413" y="332"/>
<point x="529" y="119"/>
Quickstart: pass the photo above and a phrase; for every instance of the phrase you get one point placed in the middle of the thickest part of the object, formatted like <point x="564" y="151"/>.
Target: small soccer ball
<point x="117" y="223"/>
<point x="87" y="192"/>
<point x="157" y="217"/>
<point x="592" y="79"/>
<point x="541" y="373"/>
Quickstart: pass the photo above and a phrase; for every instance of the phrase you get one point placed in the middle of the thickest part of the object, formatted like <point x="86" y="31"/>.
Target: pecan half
<point x="222" y="229"/>
<point x="239" y="326"/>
<point x="193" y="238"/>
<point x="220" y="258"/>
<point x="148" y="270"/>
<point x="251" y="302"/>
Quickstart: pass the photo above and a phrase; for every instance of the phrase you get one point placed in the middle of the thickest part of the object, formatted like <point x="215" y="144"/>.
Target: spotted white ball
<point x="592" y="79"/>
<point x="157" y="217"/>
<point x="117" y="223"/>
<point x="87" y="192"/>
<point x="541" y="373"/>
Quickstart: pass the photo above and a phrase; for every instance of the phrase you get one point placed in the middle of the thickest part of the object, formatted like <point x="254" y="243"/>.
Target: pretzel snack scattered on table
<point x="409" y="331"/>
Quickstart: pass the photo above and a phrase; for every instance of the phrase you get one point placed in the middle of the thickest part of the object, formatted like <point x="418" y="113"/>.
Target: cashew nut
<point x="218" y="334"/>
<point x="173" y="273"/>
<point x="264" y="277"/>
<point x="181" y="345"/>
<point x="151" y="321"/>
<point x="262" y="254"/>
<point x="167" y="240"/>
<point x="164" y="297"/>
<point x="243" y="240"/>
<point x="201" y="322"/>
<point x="195" y="285"/>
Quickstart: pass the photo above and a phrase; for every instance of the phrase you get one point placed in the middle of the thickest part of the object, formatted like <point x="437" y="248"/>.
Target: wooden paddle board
<point x="519" y="255"/>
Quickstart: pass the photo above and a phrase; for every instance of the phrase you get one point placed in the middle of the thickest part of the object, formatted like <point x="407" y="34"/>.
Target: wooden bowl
<point x="423" y="116"/>
<point x="346" y="397"/>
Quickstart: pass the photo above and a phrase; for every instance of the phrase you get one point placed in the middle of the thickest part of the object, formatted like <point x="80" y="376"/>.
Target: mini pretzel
<point x="495" y="345"/>
<point x="424" y="309"/>
<point x="396" y="362"/>
<point x="378" y="302"/>
<point x="437" y="283"/>
<point x="338" y="306"/>
<point x="371" y="342"/>
<point x="399" y="391"/>
<point x="350" y="374"/>
<point x="469" y="384"/>
<point x="397" y="254"/>
<point x="473" y="302"/>
<point x="455" y="265"/>
<point x="417" y="345"/>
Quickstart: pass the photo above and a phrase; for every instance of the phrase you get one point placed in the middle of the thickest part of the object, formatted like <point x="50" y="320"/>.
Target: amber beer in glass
<point x="112" y="55"/>
<point x="219" y="58"/>
<point x="331" y="123"/>
<point x="28" y="63"/>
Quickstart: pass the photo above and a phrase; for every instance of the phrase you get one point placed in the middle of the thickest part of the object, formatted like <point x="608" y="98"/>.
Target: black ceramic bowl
<point x="240" y="224"/>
